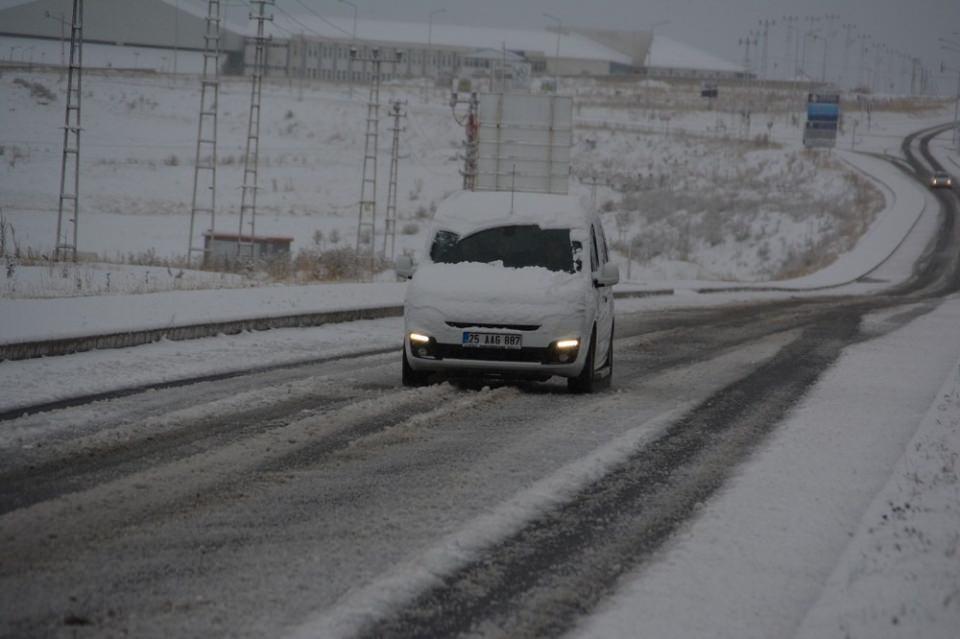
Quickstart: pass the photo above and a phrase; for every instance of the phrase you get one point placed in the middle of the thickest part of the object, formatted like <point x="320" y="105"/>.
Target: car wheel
<point x="410" y="377"/>
<point x="586" y="381"/>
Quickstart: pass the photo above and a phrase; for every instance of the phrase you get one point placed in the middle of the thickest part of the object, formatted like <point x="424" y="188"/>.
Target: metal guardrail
<point x="124" y="339"/>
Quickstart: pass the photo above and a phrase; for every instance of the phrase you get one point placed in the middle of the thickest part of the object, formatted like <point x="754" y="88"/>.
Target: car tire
<point x="410" y="377"/>
<point x="586" y="381"/>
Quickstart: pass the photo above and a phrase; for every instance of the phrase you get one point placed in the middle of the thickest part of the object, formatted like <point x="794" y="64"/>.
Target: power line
<point x="324" y="20"/>
<point x="302" y="25"/>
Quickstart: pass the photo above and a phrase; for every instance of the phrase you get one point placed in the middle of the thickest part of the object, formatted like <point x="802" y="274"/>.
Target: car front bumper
<point x="538" y="357"/>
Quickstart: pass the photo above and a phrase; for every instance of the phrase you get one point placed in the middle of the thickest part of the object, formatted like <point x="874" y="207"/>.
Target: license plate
<point x="491" y="340"/>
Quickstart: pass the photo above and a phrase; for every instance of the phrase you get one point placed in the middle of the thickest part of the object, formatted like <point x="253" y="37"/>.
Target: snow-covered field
<point x="695" y="194"/>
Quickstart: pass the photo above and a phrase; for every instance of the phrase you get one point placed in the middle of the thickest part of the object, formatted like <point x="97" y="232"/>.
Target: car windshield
<point x="511" y="246"/>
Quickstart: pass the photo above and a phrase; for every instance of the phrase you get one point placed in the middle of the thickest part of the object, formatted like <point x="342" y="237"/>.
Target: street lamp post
<point x="954" y="47"/>
<point x="353" y="44"/>
<point x="653" y="36"/>
<point x="430" y="32"/>
<point x="556" y="55"/>
<point x="812" y="35"/>
<point x="811" y="20"/>
<point x="59" y="17"/>
<point x="176" y="35"/>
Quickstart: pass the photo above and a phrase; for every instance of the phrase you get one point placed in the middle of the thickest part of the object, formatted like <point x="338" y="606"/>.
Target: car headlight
<point x="563" y="351"/>
<point x="423" y="346"/>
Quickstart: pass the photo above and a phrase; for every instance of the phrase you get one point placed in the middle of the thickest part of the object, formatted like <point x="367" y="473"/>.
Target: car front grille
<point x="455" y="351"/>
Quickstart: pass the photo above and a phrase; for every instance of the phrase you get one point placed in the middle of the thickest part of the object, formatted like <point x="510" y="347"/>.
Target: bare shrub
<point x="38" y="91"/>
<point x="410" y="228"/>
<point x="312" y="264"/>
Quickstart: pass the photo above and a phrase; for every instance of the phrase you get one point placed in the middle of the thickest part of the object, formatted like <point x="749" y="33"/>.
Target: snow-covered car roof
<point x="470" y="211"/>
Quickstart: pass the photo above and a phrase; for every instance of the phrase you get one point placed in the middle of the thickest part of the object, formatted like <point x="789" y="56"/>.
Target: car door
<point x="603" y="294"/>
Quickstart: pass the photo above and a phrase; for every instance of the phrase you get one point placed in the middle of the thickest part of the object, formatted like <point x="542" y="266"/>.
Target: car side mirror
<point x="405" y="266"/>
<point x="608" y="275"/>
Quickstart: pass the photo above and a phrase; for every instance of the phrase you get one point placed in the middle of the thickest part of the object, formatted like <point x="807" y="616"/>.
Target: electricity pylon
<point x="205" y="164"/>
<point x="67" y="242"/>
<point x="367" y="220"/>
<point x="248" y="198"/>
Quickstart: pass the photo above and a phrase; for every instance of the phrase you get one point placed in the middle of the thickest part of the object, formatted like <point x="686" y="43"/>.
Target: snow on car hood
<point x="473" y="292"/>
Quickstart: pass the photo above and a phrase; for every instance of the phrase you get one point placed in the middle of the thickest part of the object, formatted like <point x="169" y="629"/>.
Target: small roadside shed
<point x="224" y="248"/>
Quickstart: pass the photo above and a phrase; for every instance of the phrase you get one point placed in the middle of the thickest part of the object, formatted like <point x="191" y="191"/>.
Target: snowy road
<point x="323" y="499"/>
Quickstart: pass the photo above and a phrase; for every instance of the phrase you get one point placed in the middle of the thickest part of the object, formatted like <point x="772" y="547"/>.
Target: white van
<point x="515" y="286"/>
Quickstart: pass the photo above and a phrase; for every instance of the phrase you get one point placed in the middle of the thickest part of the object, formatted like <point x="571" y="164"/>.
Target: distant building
<point x="167" y="35"/>
<point x="159" y="31"/>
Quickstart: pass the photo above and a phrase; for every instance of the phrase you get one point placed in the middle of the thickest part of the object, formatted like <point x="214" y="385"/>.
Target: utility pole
<point x="956" y="107"/>
<point x="864" y="40"/>
<point x="67" y="242"/>
<point x="251" y="156"/>
<point x="789" y="62"/>
<point x="353" y="44"/>
<point x="471" y="125"/>
<point x="765" y="30"/>
<point x="367" y="219"/>
<point x="828" y="33"/>
<point x="810" y="30"/>
<point x="205" y="162"/>
<point x="430" y="56"/>
<point x="56" y="15"/>
<point x="556" y="56"/>
<point x="302" y="62"/>
<point x="954" y="47"/>
<point x="176" y="35"/>
<point x="390" y="220"/>
<point x="847" y="41"/>
<point x="746" y="43"/>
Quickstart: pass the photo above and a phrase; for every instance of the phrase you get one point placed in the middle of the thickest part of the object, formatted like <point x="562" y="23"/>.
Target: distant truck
<point x="823" y="120"/>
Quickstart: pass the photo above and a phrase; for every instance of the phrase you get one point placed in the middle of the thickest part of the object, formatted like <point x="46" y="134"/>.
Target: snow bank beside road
<point x="46" y="319"/>
<point x="783" y="524"/>
<point x="900" y="576"/>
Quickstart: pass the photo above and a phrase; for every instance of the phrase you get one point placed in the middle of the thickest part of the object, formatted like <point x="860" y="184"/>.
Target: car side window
<point x="594" y="253"/>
